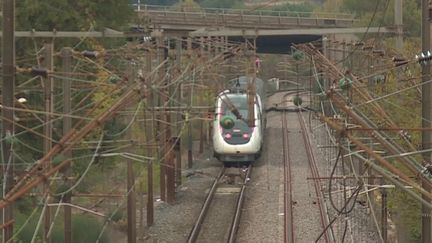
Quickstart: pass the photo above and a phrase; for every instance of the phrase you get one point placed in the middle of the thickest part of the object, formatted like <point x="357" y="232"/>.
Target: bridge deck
<point x="168" y="18"/>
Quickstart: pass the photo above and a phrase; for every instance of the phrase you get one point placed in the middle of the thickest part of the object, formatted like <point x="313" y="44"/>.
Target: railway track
<point x="205" y="226"/>
<point x="315" y="174"/>
<point x="305" y="215"/>
<point x="288" y="208"/>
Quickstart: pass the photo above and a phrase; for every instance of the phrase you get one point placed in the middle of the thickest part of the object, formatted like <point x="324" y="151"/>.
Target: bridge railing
<point x="257" y="12"/>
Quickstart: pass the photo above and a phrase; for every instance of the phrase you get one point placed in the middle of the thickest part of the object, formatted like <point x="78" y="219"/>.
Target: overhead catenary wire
<point x="384" y="98"/>
<point x="333" y="140"/>
<point x="91" y="104"/>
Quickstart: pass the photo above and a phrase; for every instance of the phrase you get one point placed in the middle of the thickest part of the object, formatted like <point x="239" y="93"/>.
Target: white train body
<point x="240" y="143"/>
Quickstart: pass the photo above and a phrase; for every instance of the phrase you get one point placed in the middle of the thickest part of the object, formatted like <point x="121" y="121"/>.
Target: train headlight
<point x="227" y="122"/>
<point x="227" y="136"/>
<point x="246" y="136"/>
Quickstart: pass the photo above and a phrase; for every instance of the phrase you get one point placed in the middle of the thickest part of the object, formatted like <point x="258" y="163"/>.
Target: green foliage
<point x="407" y="213"/>
<point x="81" y="15"/>
<point x="405" y="109"/>
<point x="25" y="205"/>
<point x="330" y="6"/>
<point x="305" y="7"/>
<point x="412" y="17"/>
<point x="222" y="4"/>
<point x="269" y="66"/>
<point x="113" y="128"/>
<point x="385" y="14"/>
<point x="362" y="7"/>
<point x="85" y="228"/>
<point x="28" y="229"/>
<point x="96" y="174"/>
<point x="60" y="191"/>
<point x="78" y="168"/>
<point x="117" y="215"/>
<point x="75" y="15"/>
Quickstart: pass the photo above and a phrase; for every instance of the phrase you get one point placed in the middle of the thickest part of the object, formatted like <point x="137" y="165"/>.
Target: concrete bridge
<point x="274" y="31"/>
<point x="192" y="19"/>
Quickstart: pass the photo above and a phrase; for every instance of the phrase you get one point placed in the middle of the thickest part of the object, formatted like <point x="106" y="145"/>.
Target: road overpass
<point x="274" y="31"/>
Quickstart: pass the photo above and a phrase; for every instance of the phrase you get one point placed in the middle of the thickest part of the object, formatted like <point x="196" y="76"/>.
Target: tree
<point x="72" y="15"/>
<point x="384" y="15"/>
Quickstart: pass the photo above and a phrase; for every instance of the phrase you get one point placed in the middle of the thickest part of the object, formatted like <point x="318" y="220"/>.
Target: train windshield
<point x="240" y="133"/>
<point x="240" y="103"/>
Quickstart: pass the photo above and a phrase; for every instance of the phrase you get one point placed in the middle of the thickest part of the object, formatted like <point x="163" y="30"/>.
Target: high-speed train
<point x="234" y="141"/>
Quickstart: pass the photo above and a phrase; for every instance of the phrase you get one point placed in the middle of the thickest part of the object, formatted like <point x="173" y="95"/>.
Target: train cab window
<point x="240" y="103"/>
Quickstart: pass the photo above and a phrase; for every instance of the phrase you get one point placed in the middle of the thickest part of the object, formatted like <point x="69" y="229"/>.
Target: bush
<point x="85" y="229"/>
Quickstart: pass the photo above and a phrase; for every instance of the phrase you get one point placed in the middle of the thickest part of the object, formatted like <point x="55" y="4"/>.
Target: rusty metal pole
<point x="131" y="206"/>
<point x="66" y="54"/>
<point x="131" y="197"/>
<point x="160" y="56"/>
<point x="8" y="87"/>
<point x="170" y="179"/>
<point x="169" y="150"/>
<point x="47" y="143"/>
<point x="426" y="115"/>
<point x="150" y="138"/>
<point x="384" y="213"/>
<point x="201" y="127"/>
<point x="201" y="121"/>
<point x="370" y="171"/>
<point x="190" y="141"/>
<point x="325" y="78"/>
<point x="189" y="123"/>
<point x="179" y="132"/>
<point x="251" y="74"/>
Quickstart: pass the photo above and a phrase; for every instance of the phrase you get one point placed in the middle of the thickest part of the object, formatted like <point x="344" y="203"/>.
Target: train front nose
<point x="237" y="135"/>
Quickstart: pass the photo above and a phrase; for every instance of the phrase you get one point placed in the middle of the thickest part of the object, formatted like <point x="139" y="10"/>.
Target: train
<point x="234" y="141"/>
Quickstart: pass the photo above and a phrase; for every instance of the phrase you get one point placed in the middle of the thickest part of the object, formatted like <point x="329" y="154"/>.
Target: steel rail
<point x="193" y="236"/>
<point x="314" y="171"/>
<point x="288" y="209"/>
<point x="236" y="219"/>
